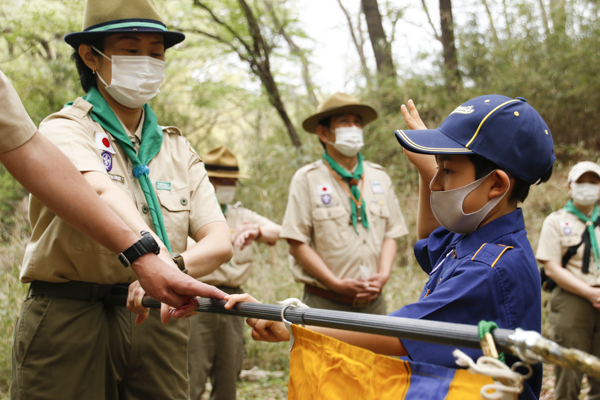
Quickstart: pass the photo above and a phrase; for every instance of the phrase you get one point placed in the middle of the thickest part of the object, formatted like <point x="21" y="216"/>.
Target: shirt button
<point x="364" y="242"/>
<point x="184" y="201"/>
<point x="145" y="209"/>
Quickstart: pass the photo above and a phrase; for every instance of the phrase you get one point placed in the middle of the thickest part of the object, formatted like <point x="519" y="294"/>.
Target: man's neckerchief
<point x="590" y="226"/>
<point x="152" y="137"/>
<point x="356" y="201"/>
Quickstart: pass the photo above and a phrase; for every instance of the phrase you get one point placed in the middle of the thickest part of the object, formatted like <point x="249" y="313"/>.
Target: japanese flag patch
<point x="566" y="227"/>
<point x="103" y="142"/>
<point x="323" y="189"/>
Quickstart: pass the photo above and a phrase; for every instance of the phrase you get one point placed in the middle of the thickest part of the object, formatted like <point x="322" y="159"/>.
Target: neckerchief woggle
<point x="353" y="188"/>
<point x="152" y="137"/>
<point x="590" y="226"/>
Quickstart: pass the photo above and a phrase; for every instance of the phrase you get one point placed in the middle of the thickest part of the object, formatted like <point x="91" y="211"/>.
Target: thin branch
<point x="359" y="46"/>
<point x="437" y="36"/>
<point x="490" y="16"/>
<point x="220" y="40"/>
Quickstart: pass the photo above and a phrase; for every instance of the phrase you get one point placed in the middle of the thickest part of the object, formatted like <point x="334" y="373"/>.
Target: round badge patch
<point x="567" y="230"/>
<point x="107" y="160"/>
<point x="326" y="198"/>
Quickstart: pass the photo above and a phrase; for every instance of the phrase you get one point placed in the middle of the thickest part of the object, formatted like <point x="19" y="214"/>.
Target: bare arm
<point x="308" y="258"/>
<point x="569" y="282"/>
<point x="427" y="167"/>
<point x="212" y="249"/>
<point x="51" y="177"/>
<point x="247" y="232"/>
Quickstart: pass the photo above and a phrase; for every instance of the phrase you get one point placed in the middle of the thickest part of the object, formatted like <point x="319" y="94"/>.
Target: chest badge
<point x="103" y="142"/>
<point x="326" y="198"/>
<point x="566" y="227"/>
<point x="107" y="160"/>
<point x="163" y="185"/>
<point x="376" y="187"/>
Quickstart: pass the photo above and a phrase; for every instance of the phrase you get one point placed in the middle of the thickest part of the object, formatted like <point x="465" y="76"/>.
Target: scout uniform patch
<point x="376" y="187"/>
<point x="325" y="192"/>
<point x="163" y="185"/>
<point x="567" y="227"/>
<point x="103" y="142"/>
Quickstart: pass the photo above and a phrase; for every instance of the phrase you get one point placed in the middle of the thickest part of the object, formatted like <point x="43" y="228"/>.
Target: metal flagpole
<point x="527" y="345"/>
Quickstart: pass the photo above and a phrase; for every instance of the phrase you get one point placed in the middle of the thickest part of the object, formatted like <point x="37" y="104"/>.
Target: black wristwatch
<point x="145" y="244"/>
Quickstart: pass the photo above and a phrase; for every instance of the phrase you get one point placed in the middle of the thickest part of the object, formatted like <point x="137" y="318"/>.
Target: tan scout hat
<point x="339" y="103"/>
<point x="221" y="163"/>
<point x="107" y="17"/>
<point x="581" y="168"/>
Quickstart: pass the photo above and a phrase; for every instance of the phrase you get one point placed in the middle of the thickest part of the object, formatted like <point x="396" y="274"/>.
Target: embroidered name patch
<point x="117" y="178"/>
<point x="163" y="185"/>
<point x="103" y="142"/>
<point x="376" y="187"/>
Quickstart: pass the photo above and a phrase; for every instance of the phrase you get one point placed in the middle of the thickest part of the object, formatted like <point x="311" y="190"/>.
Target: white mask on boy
<point x="585" y="194"/>
<point x="225" y="194"/>
<point x="135" y="79"/>
<point x="447" y="207"/>
<point x="348" y="140"/>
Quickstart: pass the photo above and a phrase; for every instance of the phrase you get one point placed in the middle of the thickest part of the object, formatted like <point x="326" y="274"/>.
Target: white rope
<point x="495" y="368"/>
<point x="291" y="302"/>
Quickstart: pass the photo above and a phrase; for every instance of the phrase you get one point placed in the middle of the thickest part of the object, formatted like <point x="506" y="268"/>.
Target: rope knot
<point x="141" y="170"/>
<point x="353" y="182"/>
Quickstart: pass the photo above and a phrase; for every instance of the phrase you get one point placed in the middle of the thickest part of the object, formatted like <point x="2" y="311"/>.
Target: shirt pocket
<point x="378" y="220"/>
<point x="328" y="226"/>
<point x="175" y="207"/>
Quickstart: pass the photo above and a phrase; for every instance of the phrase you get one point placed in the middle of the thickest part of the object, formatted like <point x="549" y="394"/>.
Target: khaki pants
<point x="216" y="350"/>
<point x="314" y="301"/>
<point x="574" y="323"/>
<point x="73" y="350"/>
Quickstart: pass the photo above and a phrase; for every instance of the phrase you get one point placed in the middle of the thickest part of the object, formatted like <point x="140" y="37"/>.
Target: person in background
<point x="568" y="250"/>
<point x="69" y="344"/>
<point x="216" y="346"/>
<point x="342" y="218"/>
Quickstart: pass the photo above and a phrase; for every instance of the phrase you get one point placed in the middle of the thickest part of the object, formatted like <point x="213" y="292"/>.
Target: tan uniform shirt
<point x="560" y="231"/>
<point x="58" y="253"/>
<point x="16" y="127"/>
<point x="236" y="272"/>
<point x="318" y="214"/>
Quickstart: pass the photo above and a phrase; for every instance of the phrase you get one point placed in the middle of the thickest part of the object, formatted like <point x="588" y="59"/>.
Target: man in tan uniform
<point x="49" y="176"/>
<point x="342" y="216"/>
<point x="216" y="347"/>
<point x="68" y="344"/>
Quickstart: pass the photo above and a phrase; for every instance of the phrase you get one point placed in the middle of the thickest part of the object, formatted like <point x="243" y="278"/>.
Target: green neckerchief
<point x="224" y="208"/>
<point x="353" y="188"/>
<point x="152" y="138"/>
<point x="590" y="223"/>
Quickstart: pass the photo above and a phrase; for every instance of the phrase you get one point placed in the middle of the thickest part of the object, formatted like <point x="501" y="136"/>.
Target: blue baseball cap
<point x="508" y="132"/>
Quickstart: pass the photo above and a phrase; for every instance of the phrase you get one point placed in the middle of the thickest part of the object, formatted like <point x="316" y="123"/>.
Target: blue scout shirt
<point x="490" y="274"/>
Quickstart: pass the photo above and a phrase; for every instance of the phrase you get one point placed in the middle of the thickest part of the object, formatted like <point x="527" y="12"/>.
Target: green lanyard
<point x="151" y="144"/>
<point x="356" y="201"/>
<point x="591" y="225"/>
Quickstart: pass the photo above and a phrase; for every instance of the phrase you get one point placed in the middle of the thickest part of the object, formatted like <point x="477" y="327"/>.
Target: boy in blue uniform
<point x="474" y="170"/>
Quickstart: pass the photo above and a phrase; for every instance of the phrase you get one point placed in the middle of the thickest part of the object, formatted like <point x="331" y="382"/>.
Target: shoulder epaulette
<point x="372" y="164"/>
<point x="173" y="130"/>
<point x="79" y="109"/>
<point x="490" y="253"/>
<point x="237" y="205"/>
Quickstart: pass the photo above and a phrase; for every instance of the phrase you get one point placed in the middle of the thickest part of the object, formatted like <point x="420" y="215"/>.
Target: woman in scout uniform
<point x="342" y="216"/>
<point x="568" y="249"/>
<point x="216" y="347"/>
<point x="68" y="344"/>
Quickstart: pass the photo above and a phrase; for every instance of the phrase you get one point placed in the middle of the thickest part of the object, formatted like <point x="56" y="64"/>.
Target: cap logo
<point x="464" y="110"/>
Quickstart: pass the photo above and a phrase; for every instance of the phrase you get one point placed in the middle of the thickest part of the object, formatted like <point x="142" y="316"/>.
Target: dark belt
<point x="337" y="297"/>
<point x="77" y="290"/>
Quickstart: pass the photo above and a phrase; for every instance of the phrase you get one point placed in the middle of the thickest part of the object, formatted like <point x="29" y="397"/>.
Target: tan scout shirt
<point x="318" y="214"/>
<point x="561" y="230"/>
<point x="236" y="272"/>
<point x="16" y="127"/>
<point x="58" y="253"/>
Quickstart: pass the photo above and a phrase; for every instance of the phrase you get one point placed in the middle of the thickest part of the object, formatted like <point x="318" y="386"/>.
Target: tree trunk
<point x="452" y="73"/>
<point x="381" y="48"/>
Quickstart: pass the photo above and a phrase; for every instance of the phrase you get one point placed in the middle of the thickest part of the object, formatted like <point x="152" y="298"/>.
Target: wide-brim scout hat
<point x="108" y="17"/>
<point x="581" y="168"/>
<point x="339" y="103"/>
<point x="222" y="163"/>
<point x="508" y="132"/>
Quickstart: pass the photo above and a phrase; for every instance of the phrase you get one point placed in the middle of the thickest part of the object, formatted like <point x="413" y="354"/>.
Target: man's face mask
<point x="585" y="194"/>
<point x="348" y="140"/>
<point x="225" y="194"/>
<point x="447" y="207"/>
<point x="135" y="79"/>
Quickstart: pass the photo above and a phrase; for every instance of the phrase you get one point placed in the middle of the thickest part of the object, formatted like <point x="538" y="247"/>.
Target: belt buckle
<point x="358" y="303"/>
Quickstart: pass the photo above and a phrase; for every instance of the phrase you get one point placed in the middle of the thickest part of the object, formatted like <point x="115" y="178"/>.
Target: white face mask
<point x="585" y="194"/>
<point x="447" y="207"/>
<point x="348" y="140"/>
<point x="135" y="79"/>
<point x="225" y="194"/>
